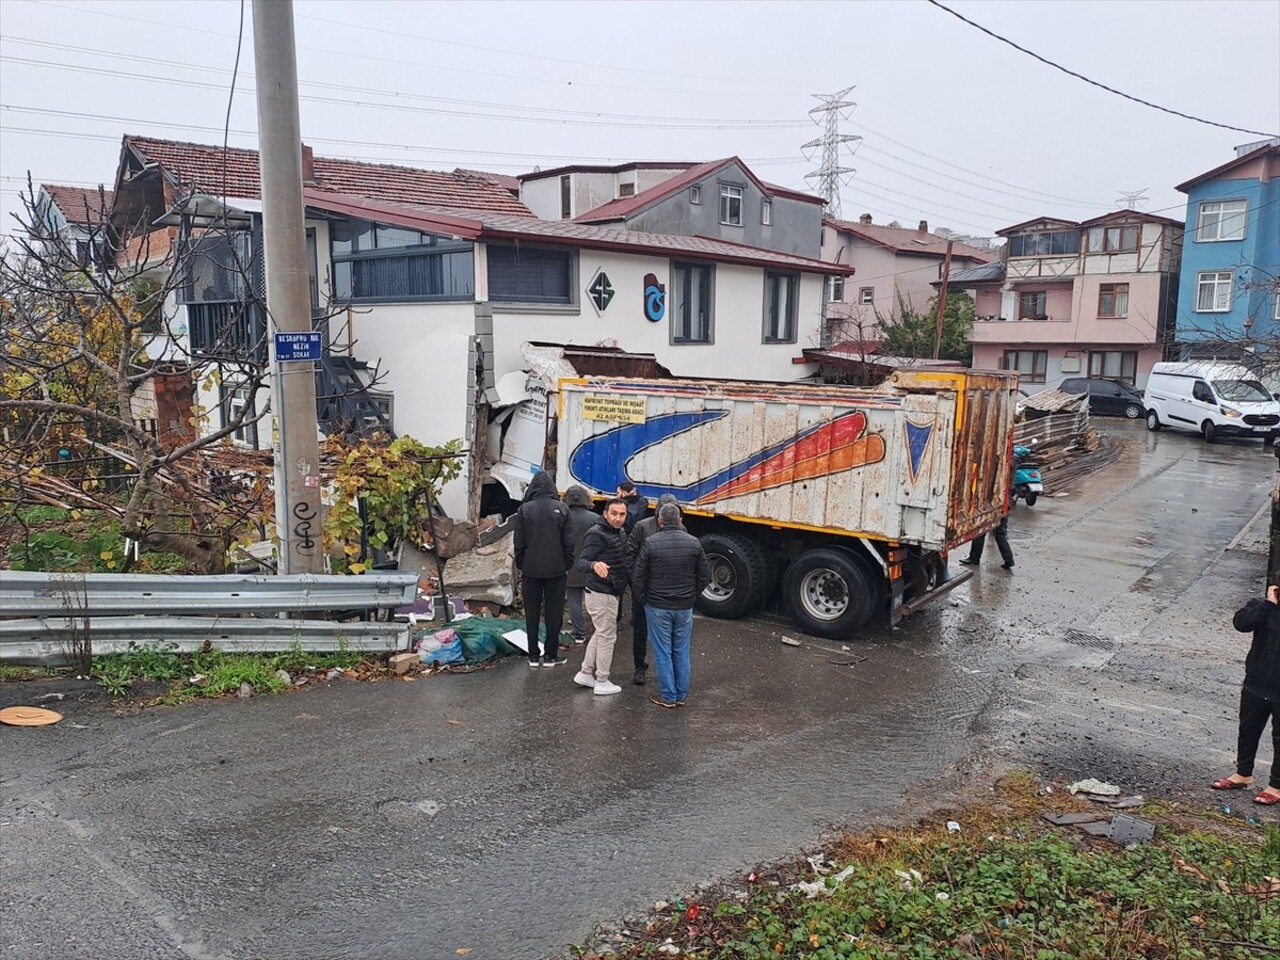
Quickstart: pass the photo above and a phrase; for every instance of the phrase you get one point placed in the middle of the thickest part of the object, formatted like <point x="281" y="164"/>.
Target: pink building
<point x="1092" y="299"/>
<point x="890" y="264"/>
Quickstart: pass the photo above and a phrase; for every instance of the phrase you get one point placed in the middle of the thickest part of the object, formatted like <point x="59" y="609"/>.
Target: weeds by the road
<point x="1008" y="885"/>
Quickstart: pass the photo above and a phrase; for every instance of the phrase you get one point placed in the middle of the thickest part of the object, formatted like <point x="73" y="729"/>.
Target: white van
<point x="1212" y="398"/>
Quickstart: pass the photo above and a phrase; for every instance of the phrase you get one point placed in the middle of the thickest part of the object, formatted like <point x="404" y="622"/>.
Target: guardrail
<point x="46" y="638"/>
<point x="39" y="594"/>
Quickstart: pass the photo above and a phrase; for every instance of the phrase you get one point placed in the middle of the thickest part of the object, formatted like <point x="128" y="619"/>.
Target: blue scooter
<point x="1027" y="482"/>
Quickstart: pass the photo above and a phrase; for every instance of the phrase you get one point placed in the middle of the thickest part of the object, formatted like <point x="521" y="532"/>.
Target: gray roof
<point x="983" y="273"/>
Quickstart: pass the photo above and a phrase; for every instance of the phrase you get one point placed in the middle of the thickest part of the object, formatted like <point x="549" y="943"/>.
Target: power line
<point x="231" y="98"/>
<point x="588" y="118"/>
<point x="1101" y="86"/>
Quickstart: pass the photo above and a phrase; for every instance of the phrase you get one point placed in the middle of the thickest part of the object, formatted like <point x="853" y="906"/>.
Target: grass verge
<point x="1007" y="885"/>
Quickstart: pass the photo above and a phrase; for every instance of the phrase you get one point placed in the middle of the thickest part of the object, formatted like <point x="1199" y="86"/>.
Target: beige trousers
<point x="602" y="608"/>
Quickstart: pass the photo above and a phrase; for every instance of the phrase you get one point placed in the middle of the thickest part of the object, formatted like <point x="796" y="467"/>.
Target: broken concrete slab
<point x="486" y="573"/>
<point x="454" y="537"/>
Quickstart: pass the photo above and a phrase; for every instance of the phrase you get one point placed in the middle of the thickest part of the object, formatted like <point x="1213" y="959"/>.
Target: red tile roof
<point x="82" y="205"/>
<point x="906" y="240"/>
<point x="485" y="225"/>
<point x="201" y="168"/>
<point x="624" y="207"/>
<point x="501" y="179"/>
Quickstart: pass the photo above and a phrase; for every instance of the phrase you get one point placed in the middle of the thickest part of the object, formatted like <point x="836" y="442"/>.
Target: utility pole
<point x="294" y="348"/>
<point x="942" y="304"/>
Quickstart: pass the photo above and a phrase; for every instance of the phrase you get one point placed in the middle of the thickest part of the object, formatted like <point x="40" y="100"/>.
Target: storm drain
<point x="1082" y="639"/>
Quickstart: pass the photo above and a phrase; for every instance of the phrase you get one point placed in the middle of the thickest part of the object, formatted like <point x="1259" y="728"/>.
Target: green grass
<point x="118" y="674"/>
<point x="59" y="541"/>
<point x="11" y="674"/>
<point x="1008" y="886"/>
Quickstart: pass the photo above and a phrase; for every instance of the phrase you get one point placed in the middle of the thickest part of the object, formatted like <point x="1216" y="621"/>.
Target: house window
<point x="566" y="197"/>
<point x="530" y="275"/>
<point x="730" y="205"/>
<point x="692" y="303"/>
<point x="781" y="293"/>
<point x="1113" y="300"/>
<point x="1213" y="291"/>
<point x="1276" y="314"/>
<point x="1113" y="239"/>
<point x="1032" y="305"/>
<point x="1119" y="365"/>
<point x="766" y="212"/>
<point x="1050" y="243"/>
<point x="216" y="269"/>
<point x="866" y="296"/>
<point x="626" y="189"/>
<point x="835" y="290"/>
<point x="1030" y="364"/>
<point x="1221" y="220"/>
<point x="237" y="401"/>
<point x="373" y="262"/>
<point x="695" y="194"/>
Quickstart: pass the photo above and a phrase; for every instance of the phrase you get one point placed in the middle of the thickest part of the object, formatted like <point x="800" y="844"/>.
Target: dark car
<point x="1107" y="397"/>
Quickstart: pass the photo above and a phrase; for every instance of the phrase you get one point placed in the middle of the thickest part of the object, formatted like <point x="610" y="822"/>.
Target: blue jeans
<point x="670" y="637"/>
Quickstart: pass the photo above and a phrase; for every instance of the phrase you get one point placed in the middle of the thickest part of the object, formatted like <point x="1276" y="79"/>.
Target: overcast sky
<point x="958" y="129"/>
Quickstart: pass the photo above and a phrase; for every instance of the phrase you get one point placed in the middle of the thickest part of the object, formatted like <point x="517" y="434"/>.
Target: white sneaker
<point x="606" y="688"/>
<point x="584" y="679"/>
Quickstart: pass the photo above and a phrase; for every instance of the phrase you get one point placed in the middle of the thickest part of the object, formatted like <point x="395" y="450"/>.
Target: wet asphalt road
<point x="507" y="812"/>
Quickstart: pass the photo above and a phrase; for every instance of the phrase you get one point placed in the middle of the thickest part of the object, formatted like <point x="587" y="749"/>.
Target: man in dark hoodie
<point x="641" y="532"/>
<point x="604" y="561"/>
<point x="581" y="519"/>
<point x="1260" y="696"/>
<point x="544" y="553"/>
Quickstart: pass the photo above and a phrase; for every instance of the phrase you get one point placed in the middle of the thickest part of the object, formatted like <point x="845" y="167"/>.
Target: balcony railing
<point x="227" y="330"/>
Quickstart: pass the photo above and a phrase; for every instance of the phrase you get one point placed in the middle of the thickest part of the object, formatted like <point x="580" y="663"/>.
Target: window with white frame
<point x="835" y="290"/>
<point x="730" y="205"/>
<point x="1213" y="291"/>
<point x="766" y="212"/>
<point x="1276" y="314"/>
<point x="692" y="302"/>
<point x="781" y="296"/>
<point x="1030" y="364"/>
<point x="695" y="194"/>
<point x="237" y="402"/>
<point x="1113" y="300"/>
<point x="866" y="295"/>
<point x="1221" y="220"/>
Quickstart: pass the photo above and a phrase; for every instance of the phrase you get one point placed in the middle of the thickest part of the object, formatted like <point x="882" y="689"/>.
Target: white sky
<point x="959" y="129"/>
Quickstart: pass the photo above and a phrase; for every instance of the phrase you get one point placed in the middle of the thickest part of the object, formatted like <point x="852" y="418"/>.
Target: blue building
<point x="1229" y="288"/>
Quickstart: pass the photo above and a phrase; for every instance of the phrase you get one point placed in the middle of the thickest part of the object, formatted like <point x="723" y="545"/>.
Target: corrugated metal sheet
<point x="35" y="594"/>
<point x="45" y="639"/>
<point x="883" y="463"/>
<point x="1052" y="401"/>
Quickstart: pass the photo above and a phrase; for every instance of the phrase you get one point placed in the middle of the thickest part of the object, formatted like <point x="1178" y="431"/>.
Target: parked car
<point x="1107" y="397"/>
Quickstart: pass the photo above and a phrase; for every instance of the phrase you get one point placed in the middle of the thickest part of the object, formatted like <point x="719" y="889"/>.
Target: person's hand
<point x="601" y="568"/>
<point x="1273" y="595"/>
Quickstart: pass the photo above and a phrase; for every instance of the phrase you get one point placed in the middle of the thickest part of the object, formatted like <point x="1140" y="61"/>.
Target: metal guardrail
<point x="39" y="594"/>
<point x="45" y="639"/>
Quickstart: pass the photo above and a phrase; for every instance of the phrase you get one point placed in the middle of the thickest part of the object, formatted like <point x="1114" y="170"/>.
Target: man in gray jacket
<point x="670" y="571"/>
<point x="641" y="532"/>
<point x="581" y="519"/>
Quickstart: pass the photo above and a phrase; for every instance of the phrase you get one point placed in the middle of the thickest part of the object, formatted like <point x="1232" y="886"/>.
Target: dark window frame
<point x="1048" y="239"/>
<point x="1039" y="364"/>
<point x="1128" y="366"/>
<point x="682" y="275"/>
<point x="437" y="249"/>
<point x="773" y="290"/>
<point x="566" y="197"/>
<point x="570" y="257"/>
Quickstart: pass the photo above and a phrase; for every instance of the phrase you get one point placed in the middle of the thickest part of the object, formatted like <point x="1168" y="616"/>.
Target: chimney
<point x="308" y="165"/>
<point x="865" y="219"/>
<point x="924" y="226"/>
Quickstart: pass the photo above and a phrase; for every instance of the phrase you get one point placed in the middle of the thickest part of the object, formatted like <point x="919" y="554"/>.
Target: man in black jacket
<point x="581" y="519"/>
<point x="641" y="532"/>
<point x="604" y="561"/>
<point x="544" y="553"/>
<point x="1260" y="696"/>
<point x="670" y="571"/>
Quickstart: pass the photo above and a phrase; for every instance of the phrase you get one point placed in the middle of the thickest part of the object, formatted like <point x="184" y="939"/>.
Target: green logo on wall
<point x="600" y="290"/>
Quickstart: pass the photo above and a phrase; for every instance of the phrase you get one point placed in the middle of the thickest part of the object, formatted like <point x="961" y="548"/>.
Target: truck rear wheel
<point x="830" y="594"/>
<point x="738" y="576"/>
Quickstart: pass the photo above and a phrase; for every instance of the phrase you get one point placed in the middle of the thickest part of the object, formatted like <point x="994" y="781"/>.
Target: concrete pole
<point x="293" y="386"/>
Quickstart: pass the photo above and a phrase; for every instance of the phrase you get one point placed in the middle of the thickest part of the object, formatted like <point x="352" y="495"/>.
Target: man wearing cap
<point x="670" y="571"/>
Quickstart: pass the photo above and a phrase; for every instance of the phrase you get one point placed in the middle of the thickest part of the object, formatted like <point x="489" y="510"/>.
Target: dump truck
<point x="844" y="500"/>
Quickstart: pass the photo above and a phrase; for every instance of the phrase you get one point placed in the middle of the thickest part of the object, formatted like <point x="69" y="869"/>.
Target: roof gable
<point x="235" y="172"/>
<point x="1270" y="157"/>
<point x="907" y="241"/>
<point x="1130" y="216"/>
<point x="1040" y="223"/>
<point x="84" y="206"/>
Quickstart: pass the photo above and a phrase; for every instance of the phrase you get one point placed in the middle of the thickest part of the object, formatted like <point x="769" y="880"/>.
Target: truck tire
<point x="738" y="575"/>
<point x="830" y="594"/>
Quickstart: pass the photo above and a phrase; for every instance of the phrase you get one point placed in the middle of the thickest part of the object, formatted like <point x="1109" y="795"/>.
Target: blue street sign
<point x="299" y="346"/>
